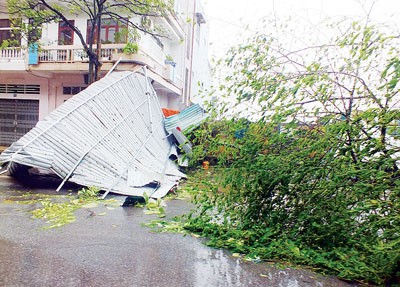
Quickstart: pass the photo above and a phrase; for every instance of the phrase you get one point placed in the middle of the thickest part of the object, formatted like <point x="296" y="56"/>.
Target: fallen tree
<point x="313" y="178"/>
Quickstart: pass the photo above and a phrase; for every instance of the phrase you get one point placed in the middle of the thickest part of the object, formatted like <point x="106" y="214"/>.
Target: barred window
<point x="72" y="90"/>
<point x="20" y="89"/>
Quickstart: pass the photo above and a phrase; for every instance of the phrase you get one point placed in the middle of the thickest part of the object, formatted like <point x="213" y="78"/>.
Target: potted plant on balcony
<point x="127" y="52"/>
<point x="131" y="48"/>
<point x="169" y="61"/>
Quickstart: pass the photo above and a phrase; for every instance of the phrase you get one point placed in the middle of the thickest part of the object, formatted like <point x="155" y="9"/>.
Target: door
<point x="17" y="117"/>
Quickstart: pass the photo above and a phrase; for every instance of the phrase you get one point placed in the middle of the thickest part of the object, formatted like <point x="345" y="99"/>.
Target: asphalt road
<point x="116" y="250"/>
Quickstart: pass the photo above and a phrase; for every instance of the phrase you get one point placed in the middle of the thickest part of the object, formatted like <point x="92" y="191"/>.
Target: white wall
<point x="201" y="68"/>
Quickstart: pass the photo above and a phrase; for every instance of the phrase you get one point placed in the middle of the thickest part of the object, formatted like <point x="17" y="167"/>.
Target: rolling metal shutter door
<point x="17" y="117"/>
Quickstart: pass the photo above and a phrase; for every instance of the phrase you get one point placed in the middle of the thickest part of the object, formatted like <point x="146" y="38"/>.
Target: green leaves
<point x="315" y="177"/>
<point x="56" y="214"/>
<point x="58" y="210"/>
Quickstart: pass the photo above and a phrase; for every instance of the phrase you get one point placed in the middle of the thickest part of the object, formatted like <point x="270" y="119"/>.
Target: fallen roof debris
<point x="187" y="119"/>
<point x="111" y="136"/>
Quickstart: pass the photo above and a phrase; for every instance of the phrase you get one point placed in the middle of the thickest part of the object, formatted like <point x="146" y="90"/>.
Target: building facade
<point x="34" y="83"/>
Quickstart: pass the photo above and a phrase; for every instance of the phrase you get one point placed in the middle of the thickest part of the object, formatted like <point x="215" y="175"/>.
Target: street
<point x="109" y="246"/>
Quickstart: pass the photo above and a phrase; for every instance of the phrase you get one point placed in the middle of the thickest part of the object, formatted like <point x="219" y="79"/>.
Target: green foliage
<point x="153" y="206"/>
<point x="131" y="48"/>
<point x="126" y="34"/>
<point x="169" y="58"/>
<point x="9" y="43"/>
<point x="89" y="193"/>
<point x="58" y="210"/>
<point x="175" y="226"/>
<point x="215" y="142"/>
<point x="313" y="178"/>
<point x="56" y="214"/>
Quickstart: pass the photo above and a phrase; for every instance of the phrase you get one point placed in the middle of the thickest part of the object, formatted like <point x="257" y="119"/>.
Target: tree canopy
<point x="313" y="177"/>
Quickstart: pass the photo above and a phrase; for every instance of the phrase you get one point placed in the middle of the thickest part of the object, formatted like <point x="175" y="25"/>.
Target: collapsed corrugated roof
<point x="111" y="135"/>
<point x="187" y="119"/>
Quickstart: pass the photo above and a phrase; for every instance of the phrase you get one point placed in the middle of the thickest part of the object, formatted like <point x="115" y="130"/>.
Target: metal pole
<point x="113" y="67"/>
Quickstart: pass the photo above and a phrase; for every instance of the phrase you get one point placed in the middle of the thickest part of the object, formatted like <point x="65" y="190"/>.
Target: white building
<point x="34" y="84"/>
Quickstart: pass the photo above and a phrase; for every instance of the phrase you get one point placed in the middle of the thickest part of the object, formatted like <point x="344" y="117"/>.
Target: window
<point x="5" y="34"/>
<point x="65" y="33"/>
<point x="72" y="90"/>
<point x="20" y="89"/>
<point x="111" y="31"/>
<point x="7" y="37"/>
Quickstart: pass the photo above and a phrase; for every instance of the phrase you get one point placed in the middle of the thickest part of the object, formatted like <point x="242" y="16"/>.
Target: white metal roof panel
<point x="111" y="135"/>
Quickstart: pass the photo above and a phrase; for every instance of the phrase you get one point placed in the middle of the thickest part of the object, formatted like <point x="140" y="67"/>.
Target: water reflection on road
<point x="214" y="268"/>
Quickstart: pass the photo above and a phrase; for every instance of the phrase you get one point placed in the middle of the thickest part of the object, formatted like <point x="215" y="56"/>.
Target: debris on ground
<point x="112" y="136"/>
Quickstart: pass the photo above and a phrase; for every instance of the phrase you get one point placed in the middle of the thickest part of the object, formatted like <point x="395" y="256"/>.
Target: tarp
<point x="168" y="112"/>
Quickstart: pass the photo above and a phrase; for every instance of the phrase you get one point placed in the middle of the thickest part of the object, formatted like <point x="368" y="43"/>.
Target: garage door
<point x="17" y="117"/>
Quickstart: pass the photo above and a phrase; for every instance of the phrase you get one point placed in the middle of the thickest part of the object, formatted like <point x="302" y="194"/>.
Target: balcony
<point x="74" y="59"/>
<point x="75" y="54"/>
<point x="12" y="59"/>
<point x="13" y="53"/>
<point x="174" y="25"/>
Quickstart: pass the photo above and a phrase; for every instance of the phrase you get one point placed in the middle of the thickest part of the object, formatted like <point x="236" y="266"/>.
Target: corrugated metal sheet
<point x="187" y="119"/>
<point x="111" y="135"/>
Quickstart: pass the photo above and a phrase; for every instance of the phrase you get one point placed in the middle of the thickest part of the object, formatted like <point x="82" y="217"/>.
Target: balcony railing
<point x="73" y="54"/>
<point x="12" y="53"/>
<point x="76" y="54"/>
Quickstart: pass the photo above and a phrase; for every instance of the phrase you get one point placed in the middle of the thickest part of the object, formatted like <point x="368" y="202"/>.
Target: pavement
<point x="115" y="249"/>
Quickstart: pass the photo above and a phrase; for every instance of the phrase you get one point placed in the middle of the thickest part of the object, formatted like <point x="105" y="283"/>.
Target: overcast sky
<point x="227" y="18"/>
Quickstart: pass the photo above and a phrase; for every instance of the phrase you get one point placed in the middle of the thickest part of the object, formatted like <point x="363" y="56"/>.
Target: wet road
<point x="116" y="250"/>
